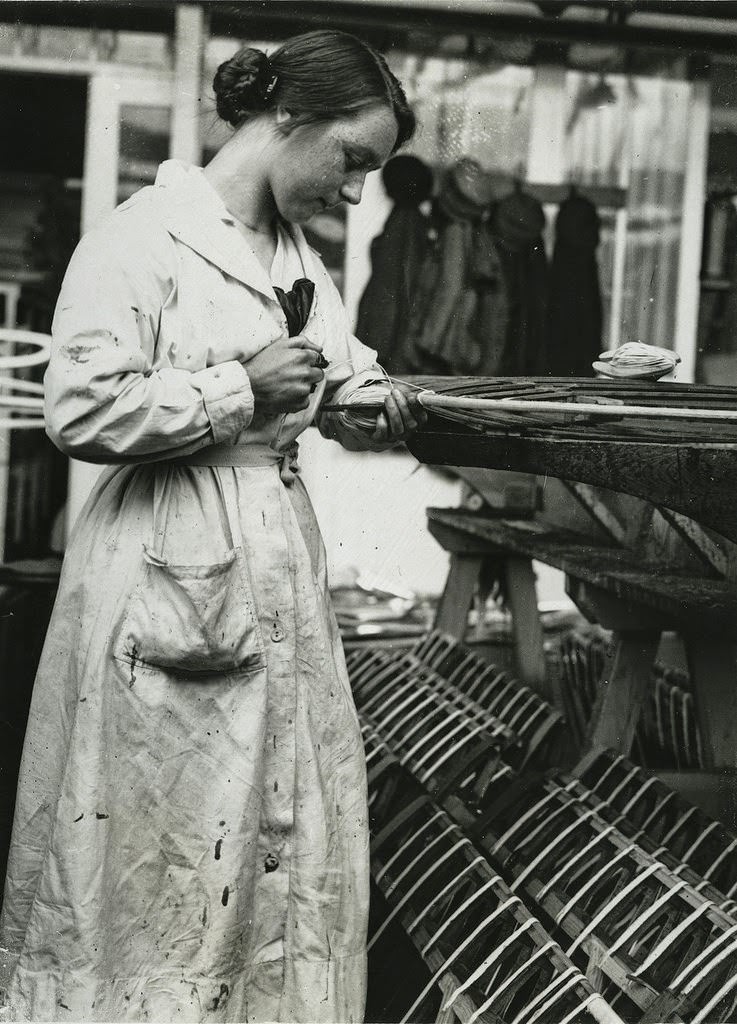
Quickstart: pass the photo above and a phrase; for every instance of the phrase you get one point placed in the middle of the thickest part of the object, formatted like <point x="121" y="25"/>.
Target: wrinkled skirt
<point x="190" y="838"/>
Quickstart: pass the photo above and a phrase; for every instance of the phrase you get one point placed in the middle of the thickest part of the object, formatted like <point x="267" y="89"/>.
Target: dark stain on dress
<point x="134" y="655"/>
<point x="219" y="1001"/>
<point x="101" y="817"/>
<point x="79" y="353"/>
<point x="218" y="848"/>
<point x="79" y="818"/>
<point x="225" y="896"/>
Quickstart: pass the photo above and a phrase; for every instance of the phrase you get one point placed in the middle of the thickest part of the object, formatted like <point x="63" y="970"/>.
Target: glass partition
<point x="631" y="133"/>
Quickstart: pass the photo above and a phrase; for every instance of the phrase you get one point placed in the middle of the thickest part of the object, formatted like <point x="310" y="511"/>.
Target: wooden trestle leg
<point x="622" y="690"/>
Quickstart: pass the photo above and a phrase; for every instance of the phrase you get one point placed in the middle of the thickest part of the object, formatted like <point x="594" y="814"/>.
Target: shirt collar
<point x="190" y="183"/>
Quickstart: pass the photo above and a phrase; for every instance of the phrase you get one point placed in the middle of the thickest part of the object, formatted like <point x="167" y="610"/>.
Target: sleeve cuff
<point x="226" y="392"/>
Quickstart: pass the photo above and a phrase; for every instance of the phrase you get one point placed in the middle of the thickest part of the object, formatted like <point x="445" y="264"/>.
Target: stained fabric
<point x="190" y="838"/>
<point x="575" y="314"/>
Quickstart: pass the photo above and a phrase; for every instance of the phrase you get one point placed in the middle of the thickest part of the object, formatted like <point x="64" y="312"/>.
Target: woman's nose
<point x="352" y="188"/>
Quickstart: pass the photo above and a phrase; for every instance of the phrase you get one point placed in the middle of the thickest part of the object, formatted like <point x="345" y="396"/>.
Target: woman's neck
<point x="238" y="173"/>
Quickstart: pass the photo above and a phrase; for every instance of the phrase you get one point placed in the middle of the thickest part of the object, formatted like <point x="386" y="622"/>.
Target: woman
<point x="190" y="838"/>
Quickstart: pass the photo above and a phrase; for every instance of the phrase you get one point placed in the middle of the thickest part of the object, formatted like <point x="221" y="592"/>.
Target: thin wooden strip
<point x="440" y="403"/>
<point x="631" y="886"/>
<point x="671" y="937"/>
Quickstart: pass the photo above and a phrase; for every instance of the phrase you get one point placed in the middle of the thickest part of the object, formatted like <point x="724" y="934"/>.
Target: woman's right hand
<point x="283" y="374"/>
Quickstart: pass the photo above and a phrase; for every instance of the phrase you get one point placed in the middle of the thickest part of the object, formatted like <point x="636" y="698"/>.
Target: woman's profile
<point x="190" y="839"/>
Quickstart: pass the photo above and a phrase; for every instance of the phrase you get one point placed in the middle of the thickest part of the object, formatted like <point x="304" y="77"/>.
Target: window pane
<point x="631" y="132"/>
<point x="144" y="143"/>
<point x="464" y="108"/>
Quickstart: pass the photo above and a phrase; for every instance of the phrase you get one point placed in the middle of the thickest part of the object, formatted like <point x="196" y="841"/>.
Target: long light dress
<point x="190" y="838"/>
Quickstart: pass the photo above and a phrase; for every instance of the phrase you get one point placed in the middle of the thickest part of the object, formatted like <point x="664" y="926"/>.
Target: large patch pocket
<point x="191" y="619"/>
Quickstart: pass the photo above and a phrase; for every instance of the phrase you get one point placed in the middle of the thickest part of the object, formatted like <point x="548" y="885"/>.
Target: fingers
<point x="417" y="411"/>
<point x="402" y="413"/>
<point x="305" y="351"/>
<point x="381" y="433"/>
<point x="311" y="346"/>
<point x="302" y="341"/>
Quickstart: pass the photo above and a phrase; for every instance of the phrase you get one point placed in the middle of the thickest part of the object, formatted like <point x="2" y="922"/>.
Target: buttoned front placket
<point x="273" y="561"/>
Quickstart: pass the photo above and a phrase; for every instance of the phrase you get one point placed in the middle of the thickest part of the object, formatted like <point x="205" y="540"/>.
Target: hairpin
<point x="271" y="86"/>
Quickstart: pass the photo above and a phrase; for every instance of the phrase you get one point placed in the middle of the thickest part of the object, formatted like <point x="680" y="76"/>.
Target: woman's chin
<point x="300" y="213"/>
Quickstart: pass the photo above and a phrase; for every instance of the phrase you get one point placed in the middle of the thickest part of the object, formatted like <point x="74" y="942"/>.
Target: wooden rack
<point x="600" y="887"/>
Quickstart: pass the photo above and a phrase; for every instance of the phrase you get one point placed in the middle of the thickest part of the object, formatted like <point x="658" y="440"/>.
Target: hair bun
<point x="242" y="85"/>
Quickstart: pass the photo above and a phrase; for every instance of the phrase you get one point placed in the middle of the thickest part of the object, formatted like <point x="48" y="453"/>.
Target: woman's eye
<point x="352" y="162"/>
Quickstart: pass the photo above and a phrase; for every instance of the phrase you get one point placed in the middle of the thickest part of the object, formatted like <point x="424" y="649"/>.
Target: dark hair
<point x="407" y="180"/>
<point x="317" y="76"/>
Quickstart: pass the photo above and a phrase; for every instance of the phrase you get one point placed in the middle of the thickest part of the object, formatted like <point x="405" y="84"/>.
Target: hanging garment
<point x="190" y="839"/>
<point x="518" y="222"/>
<point x="397" y="253"/>
<point x="575" y="313"/>
<point x="461" y="314"/>
<point x="462" y="317"/>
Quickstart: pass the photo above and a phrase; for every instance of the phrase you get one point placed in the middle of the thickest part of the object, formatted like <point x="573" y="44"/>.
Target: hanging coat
<point x="190" y="838"/>
<point x="518" y="223"/>
<point x="460" y="315"/>
<point x="575" y="312"/>
<point x="388" y="300"/>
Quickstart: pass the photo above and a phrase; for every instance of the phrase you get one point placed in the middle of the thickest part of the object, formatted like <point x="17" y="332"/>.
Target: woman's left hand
<point x="402" y="415"/>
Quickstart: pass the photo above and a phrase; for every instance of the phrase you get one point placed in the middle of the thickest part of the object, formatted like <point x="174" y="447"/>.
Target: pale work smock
<point x="190" y="839"/>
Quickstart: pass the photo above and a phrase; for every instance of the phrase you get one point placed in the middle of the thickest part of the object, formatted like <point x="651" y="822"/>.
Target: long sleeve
<point x="351" y="366"/>
<point x="112" y="394"/>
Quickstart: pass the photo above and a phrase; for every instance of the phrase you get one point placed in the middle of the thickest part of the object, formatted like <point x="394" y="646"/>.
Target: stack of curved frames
<point x="628" y="873"/>
<point x="21" y="401"/>
<point x="669" y="721"/>
<point x="707" y="846"/>
<point x="493" y="961"/>
<point x="659" y="930"/>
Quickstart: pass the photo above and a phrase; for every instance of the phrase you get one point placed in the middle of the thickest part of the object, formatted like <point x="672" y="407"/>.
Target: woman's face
<point x="321" y="165"/>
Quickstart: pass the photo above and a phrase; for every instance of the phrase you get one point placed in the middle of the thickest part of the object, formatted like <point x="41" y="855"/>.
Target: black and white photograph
<point x="368" y="511"/>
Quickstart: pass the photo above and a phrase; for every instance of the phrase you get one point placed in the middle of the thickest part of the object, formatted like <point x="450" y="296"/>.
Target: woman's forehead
<point x="372" y="129"/>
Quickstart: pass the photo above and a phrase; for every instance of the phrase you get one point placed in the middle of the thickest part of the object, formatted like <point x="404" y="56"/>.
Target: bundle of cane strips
<point x="491" y="958"/>
<point x="707" y="846"/>
<point x="531" y="717"/>
<point x="564" y="407"/>
<point x="430" y="726"/>
<point x="644" y="924"/>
